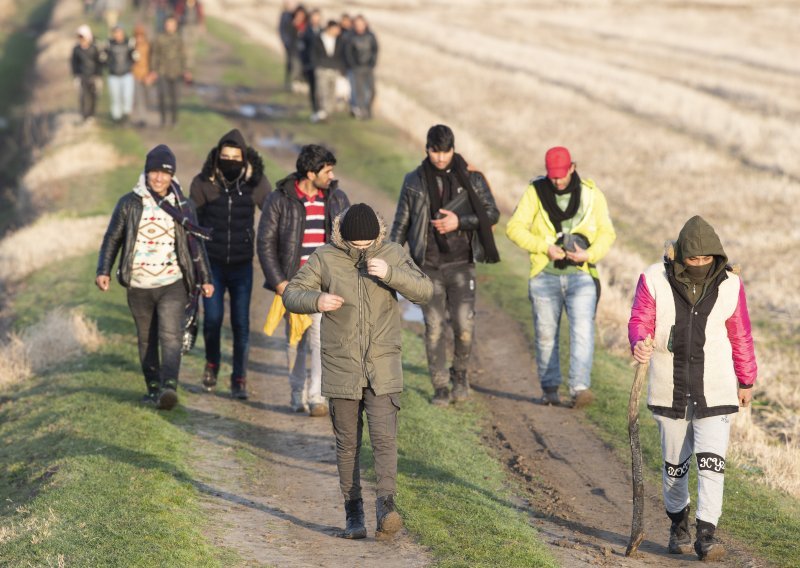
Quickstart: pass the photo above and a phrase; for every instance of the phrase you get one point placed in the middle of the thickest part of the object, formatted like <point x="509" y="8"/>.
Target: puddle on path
<point x="278" y="143"/>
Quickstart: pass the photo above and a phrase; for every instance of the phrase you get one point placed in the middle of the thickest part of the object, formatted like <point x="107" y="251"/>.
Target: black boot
<point x="210" y="376"/>
<point x="152" y="394"/>
<point x="239" y="388"/>
<point x="354" y="511"/>
<point x="441" y="396"/>
<point x="460" y="385"/>
<point x="680" y="540"/>
<point x="389" y="520"/>
<point x="168" y="396"/>
<point x="707" y="547"/>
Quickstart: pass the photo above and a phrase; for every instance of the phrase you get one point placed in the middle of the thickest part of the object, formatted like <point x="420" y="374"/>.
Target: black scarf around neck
<point x="458" y="168"/>
<point x="547" y="196"/>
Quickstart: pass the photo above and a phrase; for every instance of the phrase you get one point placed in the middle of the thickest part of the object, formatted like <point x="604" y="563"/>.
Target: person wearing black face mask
<point x="226" y="192"/>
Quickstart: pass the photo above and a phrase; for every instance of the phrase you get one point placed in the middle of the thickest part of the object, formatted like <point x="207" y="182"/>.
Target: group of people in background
<point x="134" y="64"/>
<point x="334" y="60"/>
<point x="336" y="270"/>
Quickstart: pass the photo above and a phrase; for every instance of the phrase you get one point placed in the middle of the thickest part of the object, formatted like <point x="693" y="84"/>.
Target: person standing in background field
<point x="563" y="222"/>
<point x="327" y="59"/>
<point x="112" y="9"/>
<point x="308" y="39"/>
<point x="162" y="261"/>
<point x="353" y="283"/>
<point x="702" y="369"/>
<point x="361" y="57"/>
<point x="297" y="218"/>
<point x="120" y="56"/>
<point x="189" y="14"/>
<point x="446" y="240"/>
<point x="226" y="193"/>
<point x="168" y="67"/>
<point x="298" y="30"/>
<point x="141" y="75"/>
<point x="287" y="35"/>
<point x="86" y="68"/>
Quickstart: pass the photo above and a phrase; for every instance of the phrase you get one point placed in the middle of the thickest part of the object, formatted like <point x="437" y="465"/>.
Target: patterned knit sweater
<point x="155" y="262"/>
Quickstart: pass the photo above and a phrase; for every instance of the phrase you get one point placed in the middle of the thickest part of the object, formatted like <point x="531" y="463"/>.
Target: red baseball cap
<point x="557" y="161"/>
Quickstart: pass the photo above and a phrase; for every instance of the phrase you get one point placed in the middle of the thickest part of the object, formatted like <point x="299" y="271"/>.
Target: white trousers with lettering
<point x="707" y="439"/>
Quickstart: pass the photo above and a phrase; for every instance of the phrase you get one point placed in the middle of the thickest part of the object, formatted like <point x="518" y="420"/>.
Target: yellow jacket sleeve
<point x="519" y="228"/>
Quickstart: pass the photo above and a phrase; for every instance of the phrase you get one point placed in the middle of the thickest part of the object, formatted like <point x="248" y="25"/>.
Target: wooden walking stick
<point x="637" y="524"/>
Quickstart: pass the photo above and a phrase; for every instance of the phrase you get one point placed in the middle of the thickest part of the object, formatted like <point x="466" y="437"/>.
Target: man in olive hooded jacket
<point x="702" y="369"/>
<point x="354" y="282"/>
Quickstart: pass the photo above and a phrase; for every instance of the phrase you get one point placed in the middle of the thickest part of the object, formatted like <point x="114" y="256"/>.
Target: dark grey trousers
<point x="348" y="423"/>
<point x="453" y="292"/>
<point x="158" y="314"/>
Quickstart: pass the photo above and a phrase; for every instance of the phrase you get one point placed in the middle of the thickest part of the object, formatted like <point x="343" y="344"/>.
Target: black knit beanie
<point x="360" y="223"/>
<point x="160" y="158"/>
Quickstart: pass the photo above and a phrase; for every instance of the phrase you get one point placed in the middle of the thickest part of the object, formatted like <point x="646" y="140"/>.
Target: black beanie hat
<point x="160" y="158"/>
<point x="360" y="223"/>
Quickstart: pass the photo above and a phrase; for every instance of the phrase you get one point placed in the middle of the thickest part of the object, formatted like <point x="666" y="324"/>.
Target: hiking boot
<point x="210" y="377"/>
<point x="149" y="399"/>
<point x="319" y="409"/>
<point x="707" y="547"/>
<point x="168" y="396"/>
<point x="354" y="514"/>
<point x="297" y="403"/>
<point x="460" y="385"/>
<point x="680" y="540"/>
<point x="549" y="397"/>
<point x="441" y="396"/>
<point x="389" y="520"/>
<point x="239" y="388"/>
<point x="582" y="398"/>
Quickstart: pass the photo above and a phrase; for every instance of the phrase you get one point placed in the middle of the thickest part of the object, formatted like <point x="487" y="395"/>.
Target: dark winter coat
<point x="320" y="58"/>
<point x="306" y="47"/>
<point x="168" y="57"/>
<point x="86" y="63"/>
<point x="361" y="341"/>
<point x="361" y="50"/>
<point x="120" y="57"/>
<point x="413" y="216"/>
<point x="121" y="234"/>
<point x="229" y="207"/>
<point x="283" y="222"/>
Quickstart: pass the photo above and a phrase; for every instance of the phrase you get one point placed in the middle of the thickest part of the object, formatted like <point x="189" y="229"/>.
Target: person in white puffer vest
<point x="702" y="369"/>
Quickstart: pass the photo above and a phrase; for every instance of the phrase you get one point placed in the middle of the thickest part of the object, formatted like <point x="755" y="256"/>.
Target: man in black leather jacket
<point x="445" y="214"/>
<point x="297" y="218"/>
<point x="162" y="260"/>
<point x="226" y="193"/>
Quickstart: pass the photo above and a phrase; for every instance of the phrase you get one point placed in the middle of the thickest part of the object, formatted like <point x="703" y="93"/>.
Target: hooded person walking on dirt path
<point x="297" y="218"/>
<point x="87" y="65"/>
<point x="226" y="192"/>
<point x="354" y="282"/>
<point x="168" y="68"/>
<point x="562" y="221"/>
<point x="162" y="264"/>
<point x="702" y="369"/>
<point x="445" y="213"/>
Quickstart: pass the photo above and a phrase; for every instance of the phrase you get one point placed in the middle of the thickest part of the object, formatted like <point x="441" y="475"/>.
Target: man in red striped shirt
<point x="296" y="219"/>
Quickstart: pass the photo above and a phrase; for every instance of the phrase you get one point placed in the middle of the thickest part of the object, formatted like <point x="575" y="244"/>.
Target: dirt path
<point x="269" y="475"/>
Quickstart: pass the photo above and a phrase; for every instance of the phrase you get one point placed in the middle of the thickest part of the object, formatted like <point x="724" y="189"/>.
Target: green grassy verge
<point x="85" y="473"/>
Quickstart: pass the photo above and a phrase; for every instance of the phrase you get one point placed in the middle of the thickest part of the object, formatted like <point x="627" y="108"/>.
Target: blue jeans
<point x="238" y="279"/>
<point x="550" y="294"/>
<point x="120" y="89"/>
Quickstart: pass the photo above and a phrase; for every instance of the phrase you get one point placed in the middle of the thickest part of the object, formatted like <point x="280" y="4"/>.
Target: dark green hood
<point x="698" y="238"/>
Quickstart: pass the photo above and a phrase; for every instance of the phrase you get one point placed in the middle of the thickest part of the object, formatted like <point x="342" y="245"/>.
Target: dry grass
<point x="42" y="244"/>
<point x="58" y="337"/>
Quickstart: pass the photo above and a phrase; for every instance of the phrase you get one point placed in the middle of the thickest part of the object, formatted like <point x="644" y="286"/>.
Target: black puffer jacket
<point x="320" y="59"/>
<point x="86" y="63"/>
<point x="361" y="50"/>
<point x="229" y="207"/>
<point x="280" y="230"/>
<point x="120" y="57"/>
<point x="413" y="216"/>
<point x="121" y="234"/>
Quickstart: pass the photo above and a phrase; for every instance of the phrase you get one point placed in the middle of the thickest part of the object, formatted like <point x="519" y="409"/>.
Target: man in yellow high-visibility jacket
<point x="563" y="222"/>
